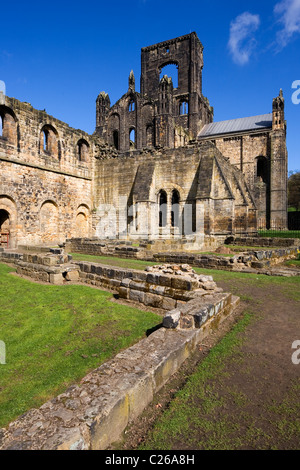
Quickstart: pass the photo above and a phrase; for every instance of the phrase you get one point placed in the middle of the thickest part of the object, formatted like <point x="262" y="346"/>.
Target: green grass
<point x="197" y="418"/>
<point x="218" y="275"/>
<point x="197" y="398"/>
<point x="54" y="335"/>
<point x="215" y="254"/>
<point x="293" y="262"/>
<point x="279" y="233"/>
<point x="240" y="248"/>
<point x="290" y="286"/>
<point x="113" y="261"/>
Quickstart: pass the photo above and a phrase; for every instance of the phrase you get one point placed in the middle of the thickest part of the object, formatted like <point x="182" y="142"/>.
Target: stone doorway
<point x="4" y="228"/>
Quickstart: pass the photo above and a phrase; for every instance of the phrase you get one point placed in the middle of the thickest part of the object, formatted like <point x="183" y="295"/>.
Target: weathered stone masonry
<point x="183" y="178"/>
<point x="94" y="414"/>
<point x="46" y="176"/>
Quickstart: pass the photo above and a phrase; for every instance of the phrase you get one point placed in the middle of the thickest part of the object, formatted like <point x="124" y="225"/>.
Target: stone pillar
<point x="102" y="108"/>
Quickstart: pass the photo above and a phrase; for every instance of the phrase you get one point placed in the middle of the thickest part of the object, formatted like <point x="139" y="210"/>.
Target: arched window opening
<point x="132" y="138"/>
<point x="171" y="70"/>
<point x="162" y="201"/>
<point x="8" y="125"/>
<point x="46" y="140"/>
<point x="184" y="108"/>
<point x="49" y="142"/>
<point x="175" y="209"/>
<point x="116" y="139"/>
<point x="131" y="106"/>
<point x="82" y="150"/>
<point x="262" y="169"/>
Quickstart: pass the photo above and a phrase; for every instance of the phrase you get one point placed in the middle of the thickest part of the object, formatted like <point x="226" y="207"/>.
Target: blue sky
<point x="59" y="56"/>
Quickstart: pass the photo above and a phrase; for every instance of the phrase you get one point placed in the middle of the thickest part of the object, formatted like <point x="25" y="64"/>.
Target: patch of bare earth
<point x="259" y="392"/>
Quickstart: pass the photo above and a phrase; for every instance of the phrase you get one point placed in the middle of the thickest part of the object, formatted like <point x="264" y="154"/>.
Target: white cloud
<point x="289" y="12"/>
<point x="241" y="41"/>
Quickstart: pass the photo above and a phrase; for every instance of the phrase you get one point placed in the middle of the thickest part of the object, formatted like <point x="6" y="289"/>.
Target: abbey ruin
<point x="156" y="167"/>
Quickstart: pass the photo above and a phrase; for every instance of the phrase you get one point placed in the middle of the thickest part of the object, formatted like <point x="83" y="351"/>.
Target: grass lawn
<point x="239" y="248"/>
<point x="245" y="393"/>
<point x="183" y="418"/>
<point x="212" y="253"/>
<point x="218" y="408"/>
<point x="54" y="335"/>
<point x="293" y="262"/>
<point x="113" y="261"/>
<point x="279" y="233"/>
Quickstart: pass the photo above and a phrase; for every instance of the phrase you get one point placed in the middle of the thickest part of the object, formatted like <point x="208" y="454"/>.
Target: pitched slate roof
<point x="263" y="121"/>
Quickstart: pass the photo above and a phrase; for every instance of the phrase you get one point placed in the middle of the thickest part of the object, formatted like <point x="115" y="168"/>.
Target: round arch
<point x="262" y="168"/>
<point x="49" y="222"/>
<point x="171" y="69"/>
<point x="8" y="221"/>
<point x="8" y="125"/>
<point x="49" y="141"/>
<point x="82" y="221"/>
<point x="82" y="150"/>
<point x="162" y="199"/>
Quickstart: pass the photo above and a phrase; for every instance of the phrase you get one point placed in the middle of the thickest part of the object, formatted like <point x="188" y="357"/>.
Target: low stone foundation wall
<point x="96" y="247"/>
<point x="94" y="414"/>
<point x="256" y="259"/>
<point x="10" y="256"/>
<point x="51" y="266"/>
<point x="152" y="288"/>
<point x="251" y="259"/>
<point x="54" y="267"/>
<point x="140" y="249"/>
<point x="195" y="313"/>
<point x="263" y="241"/>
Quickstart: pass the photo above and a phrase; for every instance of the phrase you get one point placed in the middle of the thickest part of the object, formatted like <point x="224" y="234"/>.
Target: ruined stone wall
<point x="163" y="113"/>
<point x="134" y="181"/>
<point x="59" y="183"/>
<point x="94" y="414"/>
<point x="46" y="176"/>
<point x="211" y="195"/>
<point x="262" y="157"/>
<point x="243" y="151"/>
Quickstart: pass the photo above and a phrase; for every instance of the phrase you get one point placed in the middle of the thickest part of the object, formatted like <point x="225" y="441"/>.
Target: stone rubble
<point x="203" y="282"/>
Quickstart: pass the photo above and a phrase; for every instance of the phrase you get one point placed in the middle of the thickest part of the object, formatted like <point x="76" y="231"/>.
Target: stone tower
<point x="185" y="109"/>
<point x="278" y="166"/>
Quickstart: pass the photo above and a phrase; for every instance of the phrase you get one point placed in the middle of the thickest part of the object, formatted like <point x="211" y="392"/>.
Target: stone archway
<point x="8" y="222"/>
<point x="82" y="221"/>
<point x="82" y="229"/>
<point x="49" y="222"/>
<point x="4" y="228"/>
